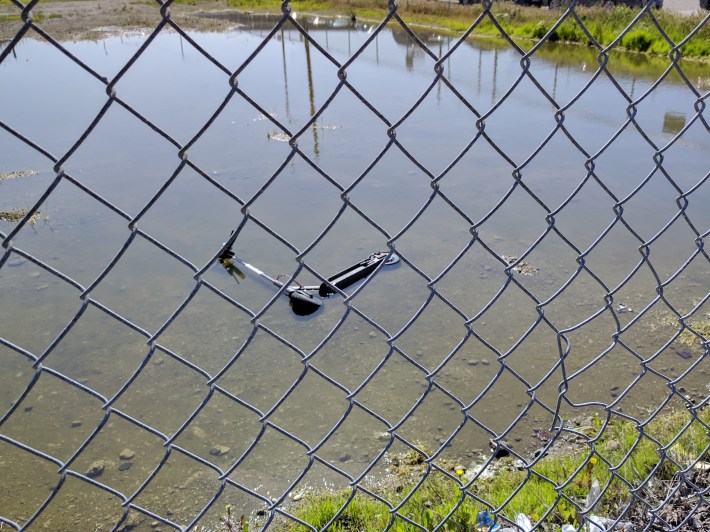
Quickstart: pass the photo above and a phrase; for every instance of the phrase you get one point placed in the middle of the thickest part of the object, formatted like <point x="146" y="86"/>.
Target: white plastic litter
<point x="596" y="524"/>
<point x="601" y="524"/>
<point x="593" y="495"/>
<point x="523" y="522"/>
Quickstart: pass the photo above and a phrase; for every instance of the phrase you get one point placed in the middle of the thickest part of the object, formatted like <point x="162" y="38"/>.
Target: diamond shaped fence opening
<point x="351" y="272"/>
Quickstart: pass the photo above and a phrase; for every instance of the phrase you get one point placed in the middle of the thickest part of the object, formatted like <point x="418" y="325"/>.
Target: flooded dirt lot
<point x="469" y="354"/>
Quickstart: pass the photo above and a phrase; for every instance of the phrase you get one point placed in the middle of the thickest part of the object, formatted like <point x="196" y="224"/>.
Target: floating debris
<point x="280" y="137"/>
<point x="263" y="117"/>
<point x="16" y="215"/>
<point x="17" y="173"/>
<point x="683" y="353"/>
<point x="522" y="267"/>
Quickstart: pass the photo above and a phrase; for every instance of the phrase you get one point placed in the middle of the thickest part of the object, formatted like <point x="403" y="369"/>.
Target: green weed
<point x="637" y="40"/>
<point x="619" y="455"/>
<point x="520" y="22"/>
<point x="232" y="525"/>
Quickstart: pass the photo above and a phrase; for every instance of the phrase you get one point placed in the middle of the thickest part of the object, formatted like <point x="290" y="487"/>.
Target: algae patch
<point x="689" y="338"/>
<point x="17" y="173"/>
<point x="16" y="215"/>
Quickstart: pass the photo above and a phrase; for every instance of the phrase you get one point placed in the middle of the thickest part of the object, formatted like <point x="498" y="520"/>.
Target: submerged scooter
<point x="305" y="300"/>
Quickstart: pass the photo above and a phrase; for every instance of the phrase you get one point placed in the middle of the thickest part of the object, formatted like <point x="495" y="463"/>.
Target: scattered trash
<point x="519" y="464"/>
<point x="500" y="449"/>
<point x="480" y="472"/>
<point x="297" y="496"/>
<point x="541" y="451"/>
<point x="523" y="522"/>
<point x="593" y="495"/>
<point x="544" y="435"/>
<point x="485" y="522"/>
<point x="601" y="524"/>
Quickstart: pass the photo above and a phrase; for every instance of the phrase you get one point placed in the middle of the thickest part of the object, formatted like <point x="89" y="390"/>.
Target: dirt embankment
<point x="93" y="19"/>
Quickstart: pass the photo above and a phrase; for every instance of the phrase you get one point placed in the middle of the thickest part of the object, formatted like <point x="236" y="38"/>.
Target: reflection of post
<point x="311" y="96"/>
<point x="673" y="122"/>
<point x="448" y="59"/>
<point x="283" y="55"/>
<point x="409" y="57"/>
<point x="439" y="83"/>
<point x="554" y="83"/>
<point x="495" y="73"/>
<point x="480" y="70"/>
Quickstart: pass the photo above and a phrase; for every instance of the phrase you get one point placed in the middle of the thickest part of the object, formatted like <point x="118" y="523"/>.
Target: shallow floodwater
<point x="601" y="225"/>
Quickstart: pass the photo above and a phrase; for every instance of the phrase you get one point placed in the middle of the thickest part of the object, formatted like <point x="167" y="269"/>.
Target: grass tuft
<point x="618" y="456"/>
<point x="521" y="22"/>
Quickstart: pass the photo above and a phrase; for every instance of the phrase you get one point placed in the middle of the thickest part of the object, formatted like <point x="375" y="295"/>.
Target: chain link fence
<point x="545" y="370"/>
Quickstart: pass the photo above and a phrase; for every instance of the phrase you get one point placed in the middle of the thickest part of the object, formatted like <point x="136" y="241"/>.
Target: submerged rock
<point x="219" y="450"/>
<point x="127" y="454"/>
<point x="96" y="469"/>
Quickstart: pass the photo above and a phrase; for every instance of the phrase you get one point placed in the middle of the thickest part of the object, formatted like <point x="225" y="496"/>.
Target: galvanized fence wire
<point x="274" y="508"/>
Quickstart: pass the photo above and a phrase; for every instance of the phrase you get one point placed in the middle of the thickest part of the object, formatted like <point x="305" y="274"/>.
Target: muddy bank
<point x="95" y="19"/>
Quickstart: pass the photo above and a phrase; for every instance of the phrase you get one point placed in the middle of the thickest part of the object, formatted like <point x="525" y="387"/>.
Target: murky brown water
<point x="211" y="361"/>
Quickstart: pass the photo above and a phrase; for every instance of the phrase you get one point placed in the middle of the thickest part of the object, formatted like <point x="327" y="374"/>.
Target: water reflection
<point x="673" y="122"/>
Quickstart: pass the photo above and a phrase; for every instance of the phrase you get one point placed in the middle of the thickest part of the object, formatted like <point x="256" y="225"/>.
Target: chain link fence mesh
<point x="143" y="434"/>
